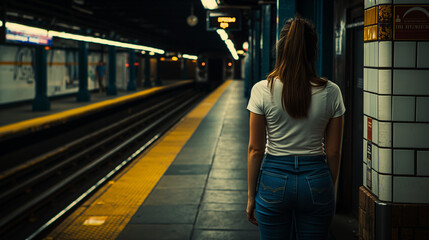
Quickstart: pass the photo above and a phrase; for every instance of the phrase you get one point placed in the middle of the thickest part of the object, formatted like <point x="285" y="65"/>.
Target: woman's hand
<point x="251" y="211"/>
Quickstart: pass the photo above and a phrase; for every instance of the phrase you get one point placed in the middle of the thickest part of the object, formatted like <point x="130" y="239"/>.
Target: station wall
<point x="17" y="66"/>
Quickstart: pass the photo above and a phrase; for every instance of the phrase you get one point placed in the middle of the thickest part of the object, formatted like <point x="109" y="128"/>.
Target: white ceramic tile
<point x="411" y="1"/>
<point x="385" y="54"/>
<point x="384" y="81"/>
<point x="373" y="54"/>
<point x="376" y="54"/>
<point x="410" y="135"/>
<point x="374" y="162"/>
<point x="364" y="174"/>
<point x="422" y="114"/>
<point x="403" y="108"/>
<point x="384" y="1"/>
<point x="366" y="102"/>
<point x="365" y="127"/>
<point x="384" y="134"/>
<point x="375" y="183"/>
<point x="385" y="187"/>
<point x="405" y="54"/>
<point x="411" y="82"/>
<point x="364" y="154"/>
<point x="423" y="163"/>
<point x="375" y="131"/>
<point x="403" y="161"/>
<point x="423" y="54"/>
<point x="365" y="79"/>
<point x="384" y="108"/>
<point x="410" y="189"/>
<point x="385" y="160"/>
<point x="366" y="54"/>
<point x="373" y="105"/>
<point x="372" y="80"/>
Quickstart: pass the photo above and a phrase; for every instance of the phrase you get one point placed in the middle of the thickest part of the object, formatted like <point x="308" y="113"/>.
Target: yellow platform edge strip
<point x="108" y="211"/>
<point x="62" y="117"/>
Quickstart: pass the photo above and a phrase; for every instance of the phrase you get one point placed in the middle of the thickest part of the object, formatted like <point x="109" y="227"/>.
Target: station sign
<point x="28" y="38"/>
<point x="411" y="22"/>
<point x="223" y="20"/>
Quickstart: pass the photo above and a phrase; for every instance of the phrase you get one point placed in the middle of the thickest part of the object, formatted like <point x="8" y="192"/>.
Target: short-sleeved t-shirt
<point x="288" y="136"/>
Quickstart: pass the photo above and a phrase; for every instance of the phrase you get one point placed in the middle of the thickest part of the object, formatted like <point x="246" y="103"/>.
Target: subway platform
<point x="190" y="184"/>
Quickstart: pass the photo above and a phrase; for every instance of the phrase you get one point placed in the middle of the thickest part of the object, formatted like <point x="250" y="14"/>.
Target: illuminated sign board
<point x="223" y="20"/>
<point x="17" y="33"/>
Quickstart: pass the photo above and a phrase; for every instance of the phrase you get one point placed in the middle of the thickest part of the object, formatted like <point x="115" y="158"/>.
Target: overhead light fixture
<point x="241" y="52"/>
<point x="209" y="4"/>
<point x="192" y="57"/>
<point x="151" y="53"/>
<point x="103" y="41"/>
<point x="51" y="33"/>
<point x="222" y="33"/>
<point x="229" y="44"/>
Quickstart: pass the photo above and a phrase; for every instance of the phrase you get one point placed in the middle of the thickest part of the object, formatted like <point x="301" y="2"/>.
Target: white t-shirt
<point x="288" y="136"/>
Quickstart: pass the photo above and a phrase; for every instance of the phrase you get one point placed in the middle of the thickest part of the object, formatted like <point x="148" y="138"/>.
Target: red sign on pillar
<point x="411" y="22"/>
<point x="369" y="129"/>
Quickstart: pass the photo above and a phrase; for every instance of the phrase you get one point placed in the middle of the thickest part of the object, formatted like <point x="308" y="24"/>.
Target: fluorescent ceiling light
<point x="103" y="41"/>
<point x="20" y="27"/>
<point x="231" y="48"/>
<point x="192" y="57"/>
<point x="209" y="4"/>
<point x="223" y="35"/>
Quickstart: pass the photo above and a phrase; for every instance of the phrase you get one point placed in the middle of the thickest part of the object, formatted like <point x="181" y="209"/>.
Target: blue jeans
<point x="294" y="189"/>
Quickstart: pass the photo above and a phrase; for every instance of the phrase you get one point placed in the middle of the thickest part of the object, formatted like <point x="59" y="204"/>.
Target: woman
<point x="299" y="111"/>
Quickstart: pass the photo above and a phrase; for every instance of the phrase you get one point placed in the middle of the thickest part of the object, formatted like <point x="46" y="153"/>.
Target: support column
<point x="394" y="198"/>
<point x="249" y="63"/>
<point x="256" y="44"/>
<point x="111" y="84"/>
<point x="266" y="41"/>
<point x="147" y="83"/>
<point x="158" y="81"/>
<point x="184" y="69"/>
<point x="132" y="71"/>
<point x="83" y="93"/>
<point x="41" y="101"/>
<point x="285" y="9"/>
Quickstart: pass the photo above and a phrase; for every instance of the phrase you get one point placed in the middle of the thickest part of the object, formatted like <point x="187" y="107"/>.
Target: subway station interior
<point x="128" y="120"/>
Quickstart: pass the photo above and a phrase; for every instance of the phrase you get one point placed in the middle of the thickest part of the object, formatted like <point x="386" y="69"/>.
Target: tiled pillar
<point x="396" y="120"/>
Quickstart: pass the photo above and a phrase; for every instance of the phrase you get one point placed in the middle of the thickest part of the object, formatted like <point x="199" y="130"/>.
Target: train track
<point x="37" y="189"/>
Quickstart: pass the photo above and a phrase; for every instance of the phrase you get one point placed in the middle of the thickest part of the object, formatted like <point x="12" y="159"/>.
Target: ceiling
<point x="156" y="23"/>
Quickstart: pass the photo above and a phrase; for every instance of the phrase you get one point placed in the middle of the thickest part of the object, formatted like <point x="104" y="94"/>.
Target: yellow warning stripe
<point x="62" y="117"/>
<point x="107" y="213"/>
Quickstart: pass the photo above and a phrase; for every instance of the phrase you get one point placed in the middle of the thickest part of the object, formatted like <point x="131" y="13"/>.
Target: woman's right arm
<point x="333" y="141"/>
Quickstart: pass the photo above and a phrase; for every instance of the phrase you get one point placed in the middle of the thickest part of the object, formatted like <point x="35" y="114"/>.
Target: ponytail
<point x="296" y="55"/>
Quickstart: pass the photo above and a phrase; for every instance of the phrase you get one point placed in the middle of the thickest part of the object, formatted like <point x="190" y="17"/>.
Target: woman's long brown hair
<point x="295" y="66"/>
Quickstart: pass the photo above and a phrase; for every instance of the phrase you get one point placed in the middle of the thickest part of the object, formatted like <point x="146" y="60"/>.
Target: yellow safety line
<point x="107" y="213"/>
<point x="62" y="117"/>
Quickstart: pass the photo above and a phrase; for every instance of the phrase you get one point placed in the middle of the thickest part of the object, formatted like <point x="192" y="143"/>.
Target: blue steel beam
<point x="184" y="69"/>
<point x="256" y="44"/>
<point x="285" y="9"/>
<point x="41" y="101"/>
<point x="111" y="86"/>
<point x="132" y="71"/>
<point x="158" y="81"/>
<point x="147" y="83"/>
<point x="266" y="41"/>
<point x="83" y="93"/>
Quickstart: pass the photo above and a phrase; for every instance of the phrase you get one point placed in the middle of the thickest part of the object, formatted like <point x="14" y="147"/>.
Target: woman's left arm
<point x="255" y="156"/>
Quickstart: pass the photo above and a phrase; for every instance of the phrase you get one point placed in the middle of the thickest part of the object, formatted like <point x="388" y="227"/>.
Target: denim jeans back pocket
<point x="321" y="188"/>
<point x="271" y="187"/>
